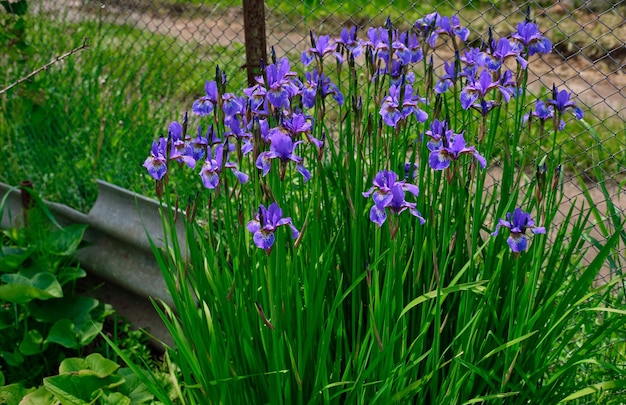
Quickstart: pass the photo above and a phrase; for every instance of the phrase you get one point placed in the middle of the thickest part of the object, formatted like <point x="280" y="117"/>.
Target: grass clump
<point x="79" y="121"/>
<point x="370" y="263"/>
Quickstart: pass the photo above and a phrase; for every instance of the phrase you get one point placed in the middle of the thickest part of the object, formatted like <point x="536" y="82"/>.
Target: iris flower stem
<point x="520" y="105"/>
<point x="513" y="310"/>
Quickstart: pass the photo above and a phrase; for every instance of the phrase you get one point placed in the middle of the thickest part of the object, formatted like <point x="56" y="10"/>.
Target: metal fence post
<point x="254" y="30"/>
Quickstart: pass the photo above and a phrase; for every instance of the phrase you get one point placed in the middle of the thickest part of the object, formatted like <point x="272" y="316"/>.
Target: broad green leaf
<point x="94" y="363"/>
<point x="76" y="308"/>
<point x="88" y="332"/>
<point x="40" y="397"/>
<point x="80" y="388"/>
<point x="32" y="343"/>
<point x="13" y="359"/>
<point x="78" y="319"/>
<point x="115" y="398"/>
<point x="160" y="384"/>
<point x="63" y="333"/>
<point x="81" y="381"/>
<point x="64" y="242"/>
<point x="133" y="388"/>
<point x="11" y="258"/>
<point x="1" y="379"/>
<point x="21" y="289"/>
<point x="72" y="335"/>
<point x="12" y="394"/>
<point x="68" y="274"/>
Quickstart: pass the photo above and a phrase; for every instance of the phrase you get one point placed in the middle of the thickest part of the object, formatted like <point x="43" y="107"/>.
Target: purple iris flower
<point x="315" y="82"/>
<point x="528" y="35"/>
<point x="508" y="85"/>
<point x="477" y="89"/>
<point x="280" y="88"/>
<point x="213" y="166"/>
<point x="392" y="112"/>
<point x="378" y="42"/>
<point x="518" y="223"/>
<point x="265" y="224"/>
<point x="473" y="94"/>
<point x="232" y="104"/>
<point x="452" y="27"/>
<point x="387" y="192"/>
<point x="451" y="148"/>
<point x="257" y="98"/>
<point x="406" y="47"/>
<point x="412" y="52"/>
<point x="180" y="150"/>
<point x="238" y="128"/>
<point x="426" y="26"/>
<point x="156" y="163"/>
<point x="321" y="47"/>
<point x="205" y="105"/>
<point x="473" y="59"/>
<point x="264" y="128"/>
<point x="544" y="112"/>
<point x="199" y="144"/>
<point x="447" y="79"/>
<point x="410" y="171"/>
<point x="504" y="49"/>
<point x="561" y="101"/>
<point x="349" y="40"/>
<point x="396" y="73"/>
<point x="438" y="131"/>
<point x="299" y="124"/>
<point x="281" y="147"/>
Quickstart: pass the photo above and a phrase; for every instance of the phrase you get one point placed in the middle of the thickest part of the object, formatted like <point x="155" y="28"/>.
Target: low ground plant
<point x="372" y="263"/>
<point x="42" y="319"/>
<point x="51" y="348"/>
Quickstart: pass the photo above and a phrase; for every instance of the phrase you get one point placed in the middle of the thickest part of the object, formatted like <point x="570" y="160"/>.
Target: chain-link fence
<point x="94" y="115"/>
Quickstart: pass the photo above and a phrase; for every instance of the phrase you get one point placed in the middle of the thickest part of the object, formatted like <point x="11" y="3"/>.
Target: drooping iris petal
<point x="156" y="163"/>
<point x="377" y="215"/>
<point x="387" y="192"/>
<point x="439" y="159"/>
<point x="210" y="179"/>
<point x="264" y="240"/>
<point x="518" y="222"/>
<point x="517" y="242"/>
<point x="263" y="162"/>
<point x="265" y="224"/>
<point x="156" y="166"/>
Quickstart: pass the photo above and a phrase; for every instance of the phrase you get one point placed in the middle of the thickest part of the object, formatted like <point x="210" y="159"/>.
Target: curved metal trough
<point x="118" y="250"/>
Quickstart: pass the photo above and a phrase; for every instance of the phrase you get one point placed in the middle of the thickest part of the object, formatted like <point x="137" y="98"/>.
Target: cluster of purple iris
<point x="277" y="114"/>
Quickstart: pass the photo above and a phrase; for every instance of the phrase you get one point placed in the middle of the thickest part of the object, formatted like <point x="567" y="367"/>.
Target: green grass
<point x="94" y="115"/>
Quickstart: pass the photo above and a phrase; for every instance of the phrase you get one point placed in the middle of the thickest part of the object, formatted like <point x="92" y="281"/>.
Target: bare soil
<point x="590" y="57"/>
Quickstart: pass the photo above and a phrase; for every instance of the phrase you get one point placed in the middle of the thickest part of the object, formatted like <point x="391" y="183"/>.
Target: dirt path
<point x="597" y="86"/>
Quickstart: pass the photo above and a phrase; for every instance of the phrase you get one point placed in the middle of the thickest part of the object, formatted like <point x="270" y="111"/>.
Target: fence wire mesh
<point x="95" y="115"/>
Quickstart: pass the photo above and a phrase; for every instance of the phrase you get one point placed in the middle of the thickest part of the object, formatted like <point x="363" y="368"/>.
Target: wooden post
<point x="256" y="44"/>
